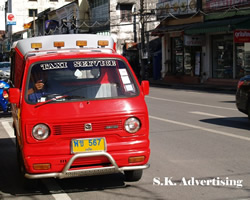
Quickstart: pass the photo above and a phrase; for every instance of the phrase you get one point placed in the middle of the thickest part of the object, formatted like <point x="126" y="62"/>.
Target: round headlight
<point x="40" y="131"/>
<point x="132" y="125"/>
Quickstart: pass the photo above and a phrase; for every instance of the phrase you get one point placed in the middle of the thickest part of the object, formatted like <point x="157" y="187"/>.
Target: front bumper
<point x="67" y="173"/>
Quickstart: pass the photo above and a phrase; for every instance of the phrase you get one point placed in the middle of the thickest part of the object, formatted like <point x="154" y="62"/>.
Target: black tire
<point x="133" y="175"/>
<point x="26" y="183"/>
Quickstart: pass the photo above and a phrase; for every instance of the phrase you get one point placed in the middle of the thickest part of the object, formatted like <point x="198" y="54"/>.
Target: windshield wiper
<point x="51" y="100"/>
<point x="60" y="97"/>
<point x="63" y="96"/>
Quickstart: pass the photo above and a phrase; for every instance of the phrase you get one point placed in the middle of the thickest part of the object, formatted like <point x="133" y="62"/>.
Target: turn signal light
<point x="136" y="159"/>
<point x="81" y="43"/>
<point x="36" y="45"/>
<point x="44" y="166"/>
<point x="58" y="44"/>
<point x="103" y="43"/>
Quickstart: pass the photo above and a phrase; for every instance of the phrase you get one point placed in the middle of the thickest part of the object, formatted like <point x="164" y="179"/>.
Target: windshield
<point x="79" y="79"/>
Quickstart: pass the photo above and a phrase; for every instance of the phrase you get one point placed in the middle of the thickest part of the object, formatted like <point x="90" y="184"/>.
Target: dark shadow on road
<point x="228" y="102"/>
<point x="232" y="122"/>
<point x="5" y="114"/>
<point x="10" y="181"/>
<point x="92" y="183"/>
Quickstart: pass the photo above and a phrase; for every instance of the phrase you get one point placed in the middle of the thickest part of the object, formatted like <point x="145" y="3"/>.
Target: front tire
<point x="133" y="175"/>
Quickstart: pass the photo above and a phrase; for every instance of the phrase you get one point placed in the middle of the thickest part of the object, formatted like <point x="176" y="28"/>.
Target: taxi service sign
<point x="88" y="145"/>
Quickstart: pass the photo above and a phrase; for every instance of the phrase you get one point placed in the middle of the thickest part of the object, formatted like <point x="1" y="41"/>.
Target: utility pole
<point x="34" y="23"/>
<point x="9" y="26"/>
<point x="142" y="52"/>
<point x="134" y="27"/>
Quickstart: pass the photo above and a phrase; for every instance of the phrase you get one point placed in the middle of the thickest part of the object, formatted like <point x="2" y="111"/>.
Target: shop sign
<point x="175" y="7"/>
<point x="194" y="40"/>
<point x="219" y="4"/>
<point x="241" y="36"/>
<point x="11" y="19"/>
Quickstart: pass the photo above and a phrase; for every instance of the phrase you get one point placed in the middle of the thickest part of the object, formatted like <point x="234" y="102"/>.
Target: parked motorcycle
<point x="4" y="85"/>
<point x="4" y="95"/>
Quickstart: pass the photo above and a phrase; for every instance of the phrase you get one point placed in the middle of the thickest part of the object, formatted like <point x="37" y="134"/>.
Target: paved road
<point x="200" y="147"/>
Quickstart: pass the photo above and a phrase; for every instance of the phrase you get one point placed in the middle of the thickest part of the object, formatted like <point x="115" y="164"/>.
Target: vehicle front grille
<point x="98" y="126"/>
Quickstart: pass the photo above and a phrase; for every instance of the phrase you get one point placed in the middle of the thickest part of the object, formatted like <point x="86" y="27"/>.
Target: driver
<point x="36" y="87"/>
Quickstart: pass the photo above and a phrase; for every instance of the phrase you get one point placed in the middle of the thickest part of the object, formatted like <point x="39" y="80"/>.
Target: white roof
<point x="69" y="40"/>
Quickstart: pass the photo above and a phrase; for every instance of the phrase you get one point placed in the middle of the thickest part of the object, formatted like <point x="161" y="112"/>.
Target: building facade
<point x="210" y="43"/>
<point x="122" y="20"/>
<point x="48" y="17"/>
<point x="129" y="23"/>
<point x="26" y="14"/>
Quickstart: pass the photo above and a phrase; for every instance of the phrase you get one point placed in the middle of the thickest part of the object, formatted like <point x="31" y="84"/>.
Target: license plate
<point x="88" y="145"/>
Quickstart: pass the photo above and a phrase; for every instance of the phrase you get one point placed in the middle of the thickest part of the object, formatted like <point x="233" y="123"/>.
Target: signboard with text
<point x="175" y="7"/>
<point x="194" y="40"/>
<point x="241" y="36"/>
<point x="223" y="4"/>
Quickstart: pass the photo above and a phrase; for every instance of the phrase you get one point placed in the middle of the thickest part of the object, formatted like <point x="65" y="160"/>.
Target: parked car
<point x="4" y="70"/>
<point x="243" y="95"/>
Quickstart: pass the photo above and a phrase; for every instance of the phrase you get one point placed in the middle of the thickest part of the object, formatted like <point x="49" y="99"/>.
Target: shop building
<point x="213" y="50"/>
<point x="181" y="54"/>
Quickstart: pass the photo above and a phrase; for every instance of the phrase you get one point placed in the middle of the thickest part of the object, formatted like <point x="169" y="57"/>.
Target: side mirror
<point x="145" y="87"/>
<point x="14" y="95"/>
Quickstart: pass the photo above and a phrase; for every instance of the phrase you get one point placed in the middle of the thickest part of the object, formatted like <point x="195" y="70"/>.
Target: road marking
<point x="56" y="191"/>
<point x="190" y="103"/>
<point x="8" y="129"/>
<point x="50" y="184"/>
<point x="207" y="114"/>
<point x="201" y="128"/>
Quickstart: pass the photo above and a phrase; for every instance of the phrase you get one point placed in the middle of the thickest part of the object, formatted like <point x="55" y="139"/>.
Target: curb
<point x="203" y="87"/>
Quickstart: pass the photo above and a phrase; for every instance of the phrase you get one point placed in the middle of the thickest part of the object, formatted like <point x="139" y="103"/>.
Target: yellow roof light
<point x="59" y="44"/>
<point x="103" y="43"/>
<point x="36" y="45"/>
<point x="81" y="43"/>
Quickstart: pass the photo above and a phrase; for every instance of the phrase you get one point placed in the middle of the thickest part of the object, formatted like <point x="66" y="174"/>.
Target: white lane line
<point x="50" y="184"/>
<point x="207" y="114"/>
<point x="8" y="129"/>
<point x="190" y="103"/>
<point x="56" y="191"/>
<point x="201" y="128"/>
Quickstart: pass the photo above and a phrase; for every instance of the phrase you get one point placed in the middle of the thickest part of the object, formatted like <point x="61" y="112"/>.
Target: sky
<point x="2" y="17"/>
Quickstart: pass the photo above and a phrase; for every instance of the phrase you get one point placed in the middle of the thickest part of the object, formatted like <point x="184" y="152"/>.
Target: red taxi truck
<point x="78" y="109"/>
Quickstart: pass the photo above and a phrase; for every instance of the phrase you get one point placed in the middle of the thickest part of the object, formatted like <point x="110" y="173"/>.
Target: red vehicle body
<point x="97" y="124"/>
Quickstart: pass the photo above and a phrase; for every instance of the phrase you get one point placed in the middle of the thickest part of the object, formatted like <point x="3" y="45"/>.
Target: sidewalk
<point x="208" y="86"/>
